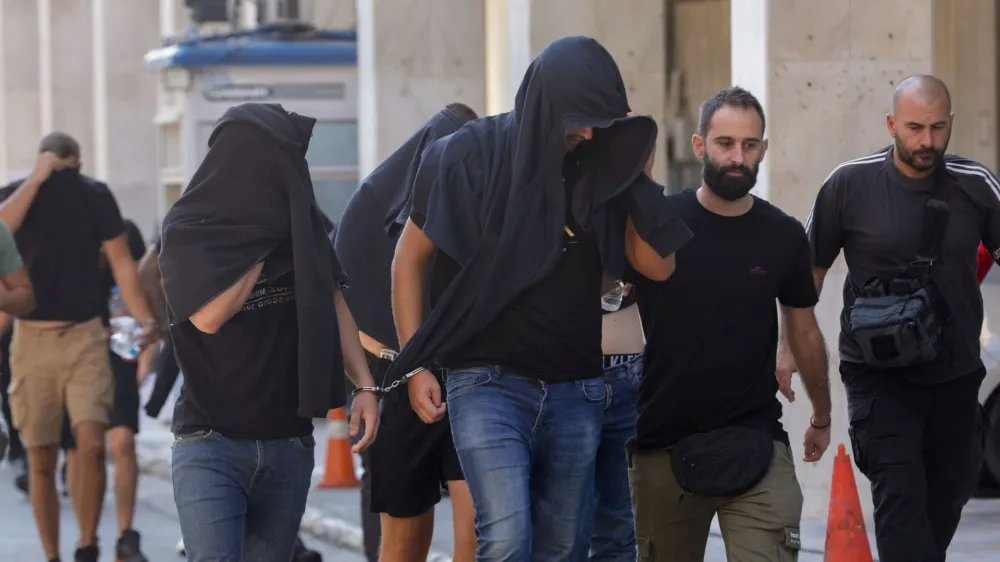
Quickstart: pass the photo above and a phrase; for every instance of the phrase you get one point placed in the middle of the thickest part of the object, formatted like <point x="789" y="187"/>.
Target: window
<point x="334" y="144"/>
<point x="332" y="195"/>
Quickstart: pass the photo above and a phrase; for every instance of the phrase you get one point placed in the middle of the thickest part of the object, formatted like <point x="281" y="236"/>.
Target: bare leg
<point x="122" y="442"/>
<point x="407" y="540"/>
<point x="42" y="491"/>
<point x="88" y="490"/>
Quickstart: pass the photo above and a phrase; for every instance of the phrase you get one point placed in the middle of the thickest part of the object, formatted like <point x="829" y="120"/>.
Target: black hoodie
<point x="251" y="196"/>
<point x="366" y="236"/>
<point x="498" y="204"/>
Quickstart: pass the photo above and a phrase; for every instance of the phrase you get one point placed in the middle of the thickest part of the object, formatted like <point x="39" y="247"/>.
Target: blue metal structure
<point x="265" y="46"/>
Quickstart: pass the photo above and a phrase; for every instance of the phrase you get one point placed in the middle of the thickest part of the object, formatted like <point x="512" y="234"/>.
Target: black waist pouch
<point x="722" y="463"/>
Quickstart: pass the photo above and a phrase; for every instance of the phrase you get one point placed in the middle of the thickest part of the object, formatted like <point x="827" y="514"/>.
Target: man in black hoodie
<point x="262" y="334"/>
<point x="534" y="205"/>
<point x="406" y="468"/>
<point x="59" y="352"/>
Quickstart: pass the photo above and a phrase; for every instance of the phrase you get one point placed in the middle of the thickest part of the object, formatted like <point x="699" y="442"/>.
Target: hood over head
<point x="250" y="196"/>
<point x="291" y="130"/>
<point x="498" y="205"/>
<point x="365" y="240"/>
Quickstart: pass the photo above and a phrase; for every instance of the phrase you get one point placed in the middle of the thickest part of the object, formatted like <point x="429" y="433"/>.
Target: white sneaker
<point x="180" y="548"/>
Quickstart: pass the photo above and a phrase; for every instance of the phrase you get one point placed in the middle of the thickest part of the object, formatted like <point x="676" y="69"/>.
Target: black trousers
<point x="921" y="446"/>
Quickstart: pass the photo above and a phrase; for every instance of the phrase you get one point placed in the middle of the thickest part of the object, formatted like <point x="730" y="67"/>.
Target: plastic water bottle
<point x="612" y="300"/>
<point x="125" y="329"/>
<point x="125" y="337"/>
<point x="116" y="304"/>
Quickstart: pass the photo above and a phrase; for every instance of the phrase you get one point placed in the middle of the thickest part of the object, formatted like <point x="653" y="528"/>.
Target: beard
<point x="922" y="159"/>
<point x="730" y="188"/>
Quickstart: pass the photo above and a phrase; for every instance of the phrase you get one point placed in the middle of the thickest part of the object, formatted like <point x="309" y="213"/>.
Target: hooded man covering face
<point x="262" y="334"/>
<point x="405" y="467"/>
<point x="534" y="205"/>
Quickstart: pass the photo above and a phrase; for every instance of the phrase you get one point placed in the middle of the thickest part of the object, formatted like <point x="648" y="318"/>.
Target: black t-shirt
<point x="552" y="331"/>
<point x="242" y="381"/>
<point x="712" y="328"/>
<point x="136" y="247"/>
<point x="875" y="214"/>
<point x="61" y="239"/>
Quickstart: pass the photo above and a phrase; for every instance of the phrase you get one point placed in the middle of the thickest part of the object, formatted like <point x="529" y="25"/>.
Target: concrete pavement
<point x="155" y="519"/>
<point x="334" y="515"/>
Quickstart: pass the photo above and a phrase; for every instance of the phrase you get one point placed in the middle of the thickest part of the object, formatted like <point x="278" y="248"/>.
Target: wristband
<point x="814" y="426"/>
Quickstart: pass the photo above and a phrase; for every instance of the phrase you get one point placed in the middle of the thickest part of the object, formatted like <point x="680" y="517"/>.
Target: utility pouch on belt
<point x="900" y="322"/>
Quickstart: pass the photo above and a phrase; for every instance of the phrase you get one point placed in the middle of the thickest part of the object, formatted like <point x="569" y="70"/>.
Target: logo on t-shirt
<point x="264" y="295"/>
<point x="758" y="270"/>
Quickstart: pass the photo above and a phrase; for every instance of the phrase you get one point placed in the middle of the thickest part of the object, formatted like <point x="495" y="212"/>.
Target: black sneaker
<point x="127" y="549"/>
<point x="87" y="554"/>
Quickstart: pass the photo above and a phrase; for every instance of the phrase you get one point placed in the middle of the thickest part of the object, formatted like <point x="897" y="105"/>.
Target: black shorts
<point x="410" y="461"/>
<point x="125" y="412"/>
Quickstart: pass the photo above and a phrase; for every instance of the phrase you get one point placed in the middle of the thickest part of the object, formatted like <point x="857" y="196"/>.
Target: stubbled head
<point x="62" y="145"/>
<point x="919" y="123"/>
<point x="730" y="142"/>
<point x="572" y="87"/>
<point x="461" y="112"/>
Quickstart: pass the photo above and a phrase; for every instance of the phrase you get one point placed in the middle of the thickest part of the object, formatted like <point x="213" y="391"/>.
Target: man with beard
<point x="533" y="205"/>
<point x="709" y="440"/>
<point x="909" y="219"/>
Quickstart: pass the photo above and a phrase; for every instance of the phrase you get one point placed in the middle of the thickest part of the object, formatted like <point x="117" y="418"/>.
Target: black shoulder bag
<point x="900" y="322"/>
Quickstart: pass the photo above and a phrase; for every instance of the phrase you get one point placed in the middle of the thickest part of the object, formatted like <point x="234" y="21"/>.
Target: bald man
<point x="912" y="372"/>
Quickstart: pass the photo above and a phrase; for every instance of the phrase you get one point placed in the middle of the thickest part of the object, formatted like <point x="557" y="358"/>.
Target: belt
<point x="373" y="346"/>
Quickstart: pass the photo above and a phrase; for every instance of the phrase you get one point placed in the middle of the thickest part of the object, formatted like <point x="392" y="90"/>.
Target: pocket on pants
<point x="790" y="545"/>
<point x="459" y="381"/>
<point x="193" y="437"/>
<point x="858" y="412"/>
<point x="644" y="549"/>
<point x="307" y="442"/>
<point x="593" y="390"/>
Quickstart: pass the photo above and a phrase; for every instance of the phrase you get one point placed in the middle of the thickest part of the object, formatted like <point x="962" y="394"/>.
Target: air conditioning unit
<point x="270" y="12"/>
<point x="208" y="11"/>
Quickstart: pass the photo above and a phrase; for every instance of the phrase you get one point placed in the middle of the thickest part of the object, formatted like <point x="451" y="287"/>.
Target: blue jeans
<point x="240" y="499"/>
<point x="527" y="449"/>
<point x="608" y="529"/>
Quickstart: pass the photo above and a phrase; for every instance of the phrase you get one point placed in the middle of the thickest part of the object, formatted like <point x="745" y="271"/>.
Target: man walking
<point x="608" y="528"/>
<point x="533" y="205"/>
<point x="709" y="440"/>
<point x="262" y="334"/>
<point x="62" y="220"/>
<point x="406" y="468"/>
<point x="17" y="297"/>
<point x="909" y="219"/>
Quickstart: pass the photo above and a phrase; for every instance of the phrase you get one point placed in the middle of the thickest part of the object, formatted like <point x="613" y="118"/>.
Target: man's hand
<point x="786" y="367"/>
<point x="47" y="163"/>
<point x="364" y="407"/>
<point x="816" y="440"/>
<point x="425" y="397"/>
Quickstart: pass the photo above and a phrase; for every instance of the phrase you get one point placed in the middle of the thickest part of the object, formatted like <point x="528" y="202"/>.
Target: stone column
<point x="825" y="73"/>
<point x="20" y="102"/>
<point x="415" y="57"/>
<point x="634" y="31"/>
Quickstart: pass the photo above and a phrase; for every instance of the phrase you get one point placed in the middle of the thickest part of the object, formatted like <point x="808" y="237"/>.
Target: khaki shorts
<point x="56" y="367"/>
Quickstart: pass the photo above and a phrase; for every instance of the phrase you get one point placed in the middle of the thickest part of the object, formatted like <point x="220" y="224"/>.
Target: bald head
<point x="922" y="88"/>
<point x="920" y="124"/>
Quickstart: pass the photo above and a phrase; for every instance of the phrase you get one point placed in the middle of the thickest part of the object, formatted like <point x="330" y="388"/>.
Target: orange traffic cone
<point x="339" y="469"/>
<point x="846" y="539"/>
